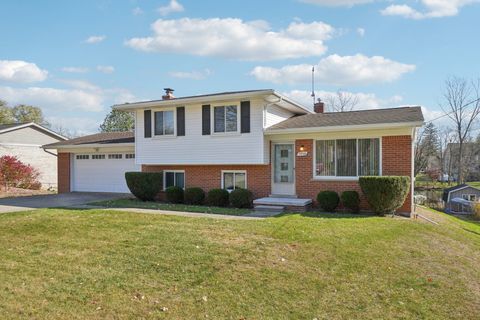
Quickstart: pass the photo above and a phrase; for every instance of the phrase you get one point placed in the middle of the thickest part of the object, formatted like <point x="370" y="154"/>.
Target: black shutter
<point x="245" y="116"/>
<point x="206" y="119"/>
<point x="147" y="123"/>
<point x="180" y="121"/>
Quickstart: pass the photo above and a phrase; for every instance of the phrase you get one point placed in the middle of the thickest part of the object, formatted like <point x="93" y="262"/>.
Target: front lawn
<point x="76" y="264"/>
<point x="135" y="203"/>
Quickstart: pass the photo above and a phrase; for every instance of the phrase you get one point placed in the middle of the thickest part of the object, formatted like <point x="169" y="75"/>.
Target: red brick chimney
<point x="168" y="94"/>
<point x="319" y="106"/>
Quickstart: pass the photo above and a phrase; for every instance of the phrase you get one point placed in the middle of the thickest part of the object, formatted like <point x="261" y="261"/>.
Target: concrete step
<point x="292" y="196"/>
<point x="268" y="208"/>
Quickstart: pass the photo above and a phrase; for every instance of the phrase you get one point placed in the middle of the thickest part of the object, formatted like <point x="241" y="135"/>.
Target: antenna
<point x="313" y="84"/>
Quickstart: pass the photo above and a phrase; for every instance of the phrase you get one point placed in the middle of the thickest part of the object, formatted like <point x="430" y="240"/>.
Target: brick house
<point x="259" y="140"/>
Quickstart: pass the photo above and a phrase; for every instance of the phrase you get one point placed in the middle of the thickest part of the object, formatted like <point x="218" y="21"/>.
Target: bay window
<point x="347" y="157"/>
<point x="225" y="119"/>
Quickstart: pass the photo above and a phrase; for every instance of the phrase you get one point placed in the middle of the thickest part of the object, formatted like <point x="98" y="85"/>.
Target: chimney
<point x="319" y="106"/>
<point x="168" y="94"/>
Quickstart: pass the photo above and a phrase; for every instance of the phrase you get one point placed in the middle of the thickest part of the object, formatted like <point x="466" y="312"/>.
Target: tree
<point x="420" y="159"/>
<point x="431" y="140"/>
<point x="15" y="173"/>
<point x="6" y="115"/>
<point x="24" y="113"/>
<point x="118" y="121"/>
<point x="446" y="138"/>
<point x="462" y="105"/>
<point x="341" y="101"/>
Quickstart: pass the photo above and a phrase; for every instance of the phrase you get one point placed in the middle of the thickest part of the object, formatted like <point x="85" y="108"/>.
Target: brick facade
<point x="63" y="176"/>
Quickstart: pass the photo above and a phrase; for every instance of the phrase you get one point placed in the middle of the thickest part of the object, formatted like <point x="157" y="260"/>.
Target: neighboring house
<point x="471" y="156"/>
<point x="25" y="141"/>
<point x="260" y="140"/>
<point x="458" y="199"/>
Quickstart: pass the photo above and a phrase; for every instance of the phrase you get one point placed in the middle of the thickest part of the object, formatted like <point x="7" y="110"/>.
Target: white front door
<point x="283" y="175"/>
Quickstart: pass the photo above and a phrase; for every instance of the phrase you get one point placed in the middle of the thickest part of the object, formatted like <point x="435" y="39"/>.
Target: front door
<point x="283" y="175"/>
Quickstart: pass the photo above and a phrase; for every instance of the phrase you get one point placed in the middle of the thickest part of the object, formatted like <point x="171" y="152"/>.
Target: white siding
<point x="275" y="114"/>
<point x="195" y="148"/>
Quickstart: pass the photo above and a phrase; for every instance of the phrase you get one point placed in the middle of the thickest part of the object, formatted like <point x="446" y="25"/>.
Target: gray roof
<point x="98" y="138"/>
<point x="352" y="118"/>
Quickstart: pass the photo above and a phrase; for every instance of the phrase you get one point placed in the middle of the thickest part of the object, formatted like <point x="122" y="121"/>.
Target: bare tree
<point x="462" y="105"/>
<point x="446" y="138"/>
<point x="420" y="160"/>
<point x="342" y="101"/>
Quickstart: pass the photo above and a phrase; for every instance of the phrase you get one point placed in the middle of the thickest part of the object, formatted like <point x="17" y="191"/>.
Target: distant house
<point x="459" y="199"/>
<point x="471" y="152"/>
<point x="25" y="141"/>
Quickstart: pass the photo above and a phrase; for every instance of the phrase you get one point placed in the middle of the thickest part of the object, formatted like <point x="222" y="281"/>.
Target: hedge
<point x="174" y="194"/>
<point x="385" y="194"/>
<point x="144" y="185"/>
<point x="194" y="196"/>
<point x="351" y="200"/>
<point x="218" y="197"/>
<point x="328" y="200"/>
<point x="241" y="198"/>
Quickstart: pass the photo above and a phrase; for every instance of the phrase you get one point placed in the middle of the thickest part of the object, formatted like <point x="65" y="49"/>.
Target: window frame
<point x="98" y="157"/>
<point x="174" y="177"/>
<point x="212" y="119"/>
<point x="82" y="157"/>
<point x="345" y="178"/>
<point x="469" y="195"/>
<point x="160" y="136"/>
<point x="129" y="156"/>
<point x="222" y="185"/>
<point x="115" y="156"/>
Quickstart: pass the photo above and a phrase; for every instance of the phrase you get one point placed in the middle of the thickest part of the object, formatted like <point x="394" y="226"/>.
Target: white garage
<point x="101" y="172"/>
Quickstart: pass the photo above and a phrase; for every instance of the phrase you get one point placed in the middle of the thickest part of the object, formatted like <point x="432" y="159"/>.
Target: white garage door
<point x="102" y="172"/>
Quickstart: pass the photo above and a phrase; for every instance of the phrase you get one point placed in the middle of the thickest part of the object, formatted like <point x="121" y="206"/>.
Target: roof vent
<point x="168" y="94"/>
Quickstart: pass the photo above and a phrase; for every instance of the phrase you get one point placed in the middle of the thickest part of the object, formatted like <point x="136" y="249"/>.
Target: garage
<point x="101" y="172"/>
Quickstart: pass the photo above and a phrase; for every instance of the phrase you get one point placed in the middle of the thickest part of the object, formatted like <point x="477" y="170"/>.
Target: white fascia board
<point x="33" y="124"/>
<point x="344" y="128"/>
<point x="91" y="145"/>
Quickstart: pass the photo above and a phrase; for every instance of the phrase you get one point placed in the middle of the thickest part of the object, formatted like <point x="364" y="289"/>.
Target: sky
<point x="75" y="59"/>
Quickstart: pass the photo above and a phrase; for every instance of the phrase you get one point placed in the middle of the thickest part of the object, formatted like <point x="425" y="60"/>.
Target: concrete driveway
<point x="55" y="200"/>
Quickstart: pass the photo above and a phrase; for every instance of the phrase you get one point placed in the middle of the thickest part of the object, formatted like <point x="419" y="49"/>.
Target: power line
<point x="447" y="113"/>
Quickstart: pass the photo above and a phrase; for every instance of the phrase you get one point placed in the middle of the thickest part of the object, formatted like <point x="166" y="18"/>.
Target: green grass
<point x="135" y="203"/>
<point x="475" y="184"/>
<point x="441" y="185"/>
<point x="106" y="264"/>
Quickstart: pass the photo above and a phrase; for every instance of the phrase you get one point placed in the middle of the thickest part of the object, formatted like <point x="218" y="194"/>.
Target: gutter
<point x="90" y="145"/>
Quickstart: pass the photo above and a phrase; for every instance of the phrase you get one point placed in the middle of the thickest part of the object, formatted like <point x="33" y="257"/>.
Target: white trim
<point x="91" y="145"/>
<point x="32" y="124"/>
<point x="222" y="185"/>
<point x="174" y="178"/>
<point x="212" y="119"/>
<point x="345" y="178"/>
<point x="161" y="136"/>
<point x="469" y="195"/>
<point x="272" y="170"/>
<point x="347" y="128"/>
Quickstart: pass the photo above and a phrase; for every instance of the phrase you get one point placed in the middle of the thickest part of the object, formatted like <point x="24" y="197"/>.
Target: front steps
<point x="276" y="205"/>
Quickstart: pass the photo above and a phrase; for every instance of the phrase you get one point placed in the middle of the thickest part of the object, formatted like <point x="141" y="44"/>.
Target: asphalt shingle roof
<point x="350" y="118"/>
<point x="98" y="138"/>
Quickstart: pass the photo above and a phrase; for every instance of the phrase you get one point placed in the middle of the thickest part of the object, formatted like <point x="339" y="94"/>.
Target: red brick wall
<point x="63" y="172"/>
<point x="209" y="176"/>
<point x="396" y="160"/>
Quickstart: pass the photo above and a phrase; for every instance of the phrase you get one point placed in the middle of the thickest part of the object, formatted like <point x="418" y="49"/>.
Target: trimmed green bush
<point x="328" y="200"/>
<point x="241" y="198"/>
<point x="144" y="185"/>
<point x="174" y="194"/>
<point x="351" y="200"/>
<point x="194" y="196"/>
<point x="218" y="197"/>
<point x="385" y="194"/>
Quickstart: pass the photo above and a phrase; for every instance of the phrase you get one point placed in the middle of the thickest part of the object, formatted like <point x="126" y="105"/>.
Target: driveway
<point x="55" y="200"/>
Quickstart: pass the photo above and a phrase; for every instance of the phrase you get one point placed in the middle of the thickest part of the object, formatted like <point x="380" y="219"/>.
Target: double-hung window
<point x="232" y="180"/>
<point x="225" y="119"/>
<point x="174" y="178"/>
<point x="347" y="157"/>
<point x="164" y="124"/>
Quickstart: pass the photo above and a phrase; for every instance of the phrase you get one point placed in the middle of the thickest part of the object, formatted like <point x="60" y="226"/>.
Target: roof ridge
<point x="380" y="109"/>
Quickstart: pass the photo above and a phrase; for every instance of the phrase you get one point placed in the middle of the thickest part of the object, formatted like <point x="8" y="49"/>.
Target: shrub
<point x="14" y="173"/>
<point x="385" y="194"/>
<point x="241" y="198"/>
<point x="144" y="185"/>
<point x="174" y="194"/>
<point x="218" y="197"/>
<point x="194" y="196"/>
<point x="328" y="200"/>
<point x="351" y="200"/>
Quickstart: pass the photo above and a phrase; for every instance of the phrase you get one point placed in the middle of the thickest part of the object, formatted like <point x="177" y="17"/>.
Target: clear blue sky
<point x="77" y="58"/>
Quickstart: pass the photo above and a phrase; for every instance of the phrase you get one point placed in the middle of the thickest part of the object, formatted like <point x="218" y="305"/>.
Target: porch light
<point x="302" y="148"/>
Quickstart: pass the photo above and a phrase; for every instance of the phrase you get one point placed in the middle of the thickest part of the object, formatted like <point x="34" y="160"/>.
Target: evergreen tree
<point x="118" y="121"/>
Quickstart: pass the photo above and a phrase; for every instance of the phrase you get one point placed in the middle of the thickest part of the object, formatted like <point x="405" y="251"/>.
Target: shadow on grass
<point x="326" y="215"/>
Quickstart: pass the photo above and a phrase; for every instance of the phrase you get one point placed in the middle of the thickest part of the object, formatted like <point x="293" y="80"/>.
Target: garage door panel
<point x="101" y="175"/>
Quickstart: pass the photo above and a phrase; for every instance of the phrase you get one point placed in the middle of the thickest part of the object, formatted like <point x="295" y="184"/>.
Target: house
<point x="25" y="141"/>
<point x="471" y="159"/>
<point x="459" y="199"/>
<point x="258" y="139"/>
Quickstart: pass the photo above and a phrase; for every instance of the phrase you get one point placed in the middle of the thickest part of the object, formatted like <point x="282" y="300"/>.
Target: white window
<point x="164" y="123"/>
<point x="130" y="156"/>
<point x="115" y="156"/>
<point x="469" y="197"/>
<point x="98" y="156"/>
<point x="174" y="178"/>
<point x="82" y="157"/>
<point x="225" y="119"/>
<point x="232" y="180"/>
<point x="347" y="157"/>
